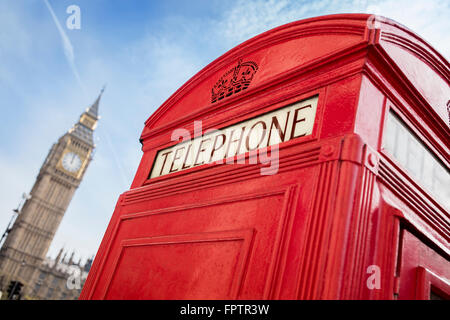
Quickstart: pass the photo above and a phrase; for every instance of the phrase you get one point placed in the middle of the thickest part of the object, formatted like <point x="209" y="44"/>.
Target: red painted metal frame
<point x="427" y="282"/>
<point x="338" y="204"/>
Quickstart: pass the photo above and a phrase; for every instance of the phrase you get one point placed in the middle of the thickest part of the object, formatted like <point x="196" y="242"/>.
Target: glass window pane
<point x="417" y="159"/>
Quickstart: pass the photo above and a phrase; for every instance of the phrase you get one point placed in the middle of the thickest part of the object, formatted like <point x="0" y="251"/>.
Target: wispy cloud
<point x="67" y="46"/>
<point x="428" y="18"/>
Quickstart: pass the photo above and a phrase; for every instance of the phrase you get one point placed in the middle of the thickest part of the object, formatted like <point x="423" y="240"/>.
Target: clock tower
<point x="30" y="237"/>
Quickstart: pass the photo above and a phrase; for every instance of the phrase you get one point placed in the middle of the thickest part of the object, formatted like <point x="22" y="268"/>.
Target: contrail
<point x="67" y="45"/>
<point x="116" y="159"/>
<point x="68" y="52"/>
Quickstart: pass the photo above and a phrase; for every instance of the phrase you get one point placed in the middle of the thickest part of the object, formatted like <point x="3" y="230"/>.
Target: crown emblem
<point x="234" y="80"/>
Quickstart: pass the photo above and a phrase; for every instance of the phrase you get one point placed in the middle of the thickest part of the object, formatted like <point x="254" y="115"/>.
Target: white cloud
<point x="428" y="18"/>
<point x="252" y="17"/>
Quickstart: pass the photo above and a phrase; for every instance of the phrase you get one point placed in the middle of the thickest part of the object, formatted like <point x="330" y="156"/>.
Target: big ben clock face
<point x="71" y="162"/>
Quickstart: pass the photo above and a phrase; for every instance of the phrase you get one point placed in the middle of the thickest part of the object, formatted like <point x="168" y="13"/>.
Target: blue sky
<point x="143" y="51"/>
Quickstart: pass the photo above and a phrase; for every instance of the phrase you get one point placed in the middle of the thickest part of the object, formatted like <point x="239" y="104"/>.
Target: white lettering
<point x="231" y="144"/>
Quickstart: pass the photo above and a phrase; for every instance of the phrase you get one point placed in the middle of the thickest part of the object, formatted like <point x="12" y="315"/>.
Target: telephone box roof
<point x="296" y="48"/>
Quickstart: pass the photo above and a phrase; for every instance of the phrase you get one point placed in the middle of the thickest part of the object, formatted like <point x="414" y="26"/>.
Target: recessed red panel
<point x="160" y="263"/>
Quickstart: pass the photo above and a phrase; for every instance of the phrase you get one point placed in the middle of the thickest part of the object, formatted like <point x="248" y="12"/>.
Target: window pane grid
<point x="417" y="159"/>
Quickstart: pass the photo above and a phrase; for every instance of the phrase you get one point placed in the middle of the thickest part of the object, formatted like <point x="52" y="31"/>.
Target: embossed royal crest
<point x="234" y="80"/>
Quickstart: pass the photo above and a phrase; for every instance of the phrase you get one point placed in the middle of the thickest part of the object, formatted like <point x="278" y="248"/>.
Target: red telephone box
<point x="309" y="162"/>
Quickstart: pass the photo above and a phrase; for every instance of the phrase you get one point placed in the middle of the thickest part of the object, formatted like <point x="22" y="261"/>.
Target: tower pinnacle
<point x="93" y="109"/>
<point x="84" y="128"/>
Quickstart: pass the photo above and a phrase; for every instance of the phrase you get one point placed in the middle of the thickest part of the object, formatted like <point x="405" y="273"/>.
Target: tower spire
<point x="58" y="257"/>
<point x="71" y="257"/>
<point x="84" y="128"/>
<point x="93" y="109"/>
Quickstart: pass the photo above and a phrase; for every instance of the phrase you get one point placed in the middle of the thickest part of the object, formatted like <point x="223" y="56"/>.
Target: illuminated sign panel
<point x="403" y="145"/>
<point x="281" y="125"/>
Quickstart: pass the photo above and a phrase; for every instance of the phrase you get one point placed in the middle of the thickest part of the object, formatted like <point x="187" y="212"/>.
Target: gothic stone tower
<point x="32" y="233"/>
